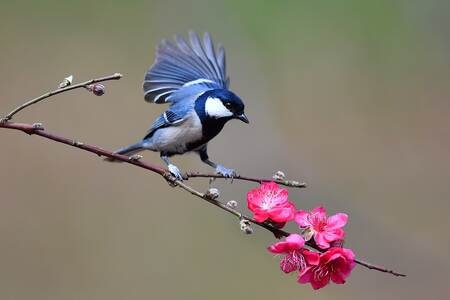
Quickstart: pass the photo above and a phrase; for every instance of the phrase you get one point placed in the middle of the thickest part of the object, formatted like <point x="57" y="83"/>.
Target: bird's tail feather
<point x="128" y="150"/>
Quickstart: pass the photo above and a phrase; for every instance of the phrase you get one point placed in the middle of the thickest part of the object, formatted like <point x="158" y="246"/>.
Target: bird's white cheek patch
<point x="215" y="108"/>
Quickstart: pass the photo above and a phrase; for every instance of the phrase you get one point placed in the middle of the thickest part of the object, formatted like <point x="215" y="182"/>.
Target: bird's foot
<point x="225" y="171"/>
<point x="175" y="171"/>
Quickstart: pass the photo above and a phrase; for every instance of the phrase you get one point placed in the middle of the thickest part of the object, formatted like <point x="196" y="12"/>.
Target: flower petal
<point x="305" y="275"/>
<point x="337" y="221"/>
<point x="296" y="239"/>
<point x="301" y="218"/>
<point x="282" y="214"/>
<point x="338" y="278"/>
<point x="333" y="235"/>
<point x="260" y="215"/>
<point x="318" y="283"/>
<point x="311" y="258"/>
<point x="291" y="243"/>
<point x="321" y="241"/>
<point x="320" y="211"/>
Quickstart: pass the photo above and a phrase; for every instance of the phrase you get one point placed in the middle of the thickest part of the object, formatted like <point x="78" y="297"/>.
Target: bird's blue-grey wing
<point x="168" y="118"/>
<point x="180" y="64"/>
<point x="182" y="103"/>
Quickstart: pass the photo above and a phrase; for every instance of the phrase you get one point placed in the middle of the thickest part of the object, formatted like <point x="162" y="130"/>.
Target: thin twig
<point x="288" y="183"/>
<point x="39" y="130"/>
<point x="9" y="116"/>
<point x="378" y="268"/>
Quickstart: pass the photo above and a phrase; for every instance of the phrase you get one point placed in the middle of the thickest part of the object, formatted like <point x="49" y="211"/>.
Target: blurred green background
<point x="350" y="96"/>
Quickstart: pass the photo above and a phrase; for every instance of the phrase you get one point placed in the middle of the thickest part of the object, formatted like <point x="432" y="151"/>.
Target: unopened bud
<point x="245" y="226"/>
<point x="136" y="157"/>
<point x="232" y="204"/>
<point x="212" y="194"/>
<point x="66" y="82"/>
<point x="97" y="89"/>
<point x="279" y="175"/>
<point x="38" y="126"/>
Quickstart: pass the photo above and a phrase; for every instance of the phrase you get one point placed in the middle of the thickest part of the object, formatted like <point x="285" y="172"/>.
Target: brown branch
<point x="37" y="129"/>
<point x="288" y="183"/>
<point x="9" y="116"/>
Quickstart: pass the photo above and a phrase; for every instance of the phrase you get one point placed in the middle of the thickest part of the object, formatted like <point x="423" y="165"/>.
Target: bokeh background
<point x="350" y="96"/>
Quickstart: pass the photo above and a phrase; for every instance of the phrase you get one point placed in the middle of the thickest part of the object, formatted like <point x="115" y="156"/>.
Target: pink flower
<point x="325" y="230"/>
<point x="270" y="202"/>
<point x="335" y="264"/>
<point x="295" y="256"/>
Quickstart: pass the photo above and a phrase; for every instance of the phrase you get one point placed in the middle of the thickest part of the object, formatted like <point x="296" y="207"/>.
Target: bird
<point x="189" y="75"/>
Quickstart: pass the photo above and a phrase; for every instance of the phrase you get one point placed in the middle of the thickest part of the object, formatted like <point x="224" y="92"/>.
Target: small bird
<point x="192" y="78"/>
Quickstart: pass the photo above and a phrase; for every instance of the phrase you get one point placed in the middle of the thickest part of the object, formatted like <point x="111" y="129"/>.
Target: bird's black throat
<point x="210" y="126"/>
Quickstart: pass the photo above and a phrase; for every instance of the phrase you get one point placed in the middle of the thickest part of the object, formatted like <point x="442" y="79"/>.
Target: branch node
<point x="5" y="119"/>
<point x="135" y="157"/>
<point x="246" y="226"/>
<point x="293" y="183"/>
<point x="66" y="82"/>
<point x="212" y="194"/>
<point x="232" y="204"/>
<point x="77" y="143"/>
<point x="279" y="175"/>
<point x="38" y="126"/>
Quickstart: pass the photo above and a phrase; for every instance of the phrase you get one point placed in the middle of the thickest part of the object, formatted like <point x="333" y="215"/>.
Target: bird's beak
<point x="243" y="118"/>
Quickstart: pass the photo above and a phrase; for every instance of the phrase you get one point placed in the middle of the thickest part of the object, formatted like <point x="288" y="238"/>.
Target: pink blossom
<point x="335" y="264"/>
<point x="325" y="230"/>
<point x="270" y="202"/>
<point x="295" y="256"/>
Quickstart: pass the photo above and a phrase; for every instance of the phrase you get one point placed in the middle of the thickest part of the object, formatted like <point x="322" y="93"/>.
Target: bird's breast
<point x="179" y="139"/>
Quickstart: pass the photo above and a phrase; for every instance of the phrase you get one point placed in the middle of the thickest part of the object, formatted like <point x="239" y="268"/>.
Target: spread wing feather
<point x="180" y="64"/>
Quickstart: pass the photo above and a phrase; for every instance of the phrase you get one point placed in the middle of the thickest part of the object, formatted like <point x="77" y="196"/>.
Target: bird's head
<point x="223" y="104"/>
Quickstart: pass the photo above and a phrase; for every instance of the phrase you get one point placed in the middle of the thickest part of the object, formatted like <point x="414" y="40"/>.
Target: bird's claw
<point x="175" y="172"/>
<point x="229" y="173"/>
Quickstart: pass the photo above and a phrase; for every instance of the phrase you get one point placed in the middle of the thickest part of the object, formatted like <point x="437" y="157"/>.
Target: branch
<point x="38" y="129"/>
<point x="9" y="116"/>
<point x="288" y="183"/>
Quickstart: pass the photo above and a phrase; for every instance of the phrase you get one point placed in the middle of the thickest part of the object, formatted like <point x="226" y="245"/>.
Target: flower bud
<point x="232" y="204"/>
<point x="38" y="126"/>
<point x="136" y="157"/>
<point x="212" y="193"/>
<point x="66" y="82"/>
<point x="279" y="175"/>
<point x="97" y="89"/>
<point x="245" y="226"/>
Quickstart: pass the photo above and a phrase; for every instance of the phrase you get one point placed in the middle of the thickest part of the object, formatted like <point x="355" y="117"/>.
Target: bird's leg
<point x="219" y="168"/>
<point x="172" y="168"/>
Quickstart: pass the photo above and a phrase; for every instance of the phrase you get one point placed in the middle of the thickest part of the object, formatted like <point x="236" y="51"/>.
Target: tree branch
<point x="38" y="129"/>
<point x="9" y="116"/>
<point x="288" y="183"/>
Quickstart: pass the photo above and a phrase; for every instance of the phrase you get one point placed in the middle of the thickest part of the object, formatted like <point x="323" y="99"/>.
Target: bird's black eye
<point x="227" y="104"/>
